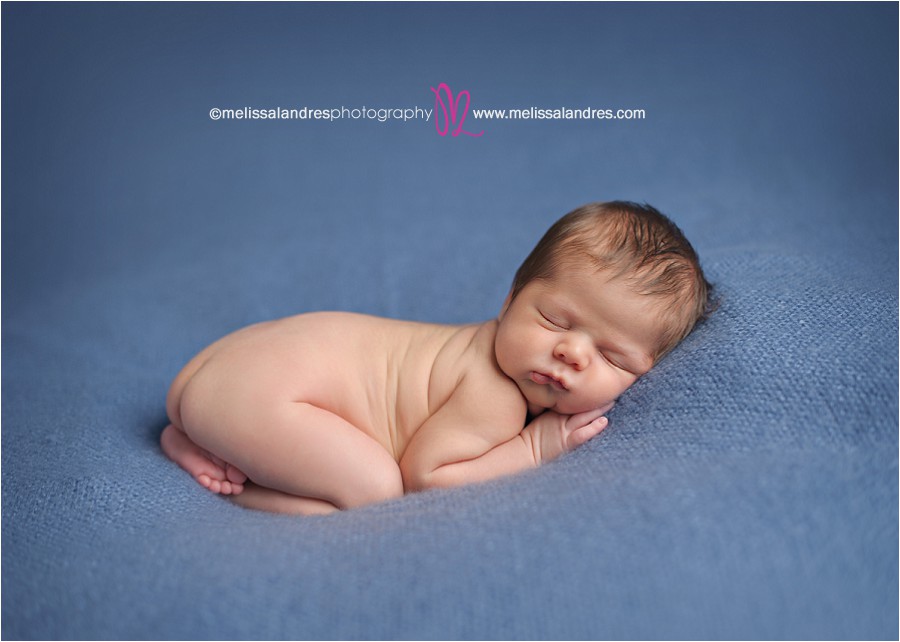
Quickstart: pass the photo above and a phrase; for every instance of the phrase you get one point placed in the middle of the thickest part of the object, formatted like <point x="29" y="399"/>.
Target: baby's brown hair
<point x="637" y="242"/>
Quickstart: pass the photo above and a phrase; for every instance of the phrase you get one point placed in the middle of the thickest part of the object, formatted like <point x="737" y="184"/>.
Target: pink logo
<point x="451" y="116"/>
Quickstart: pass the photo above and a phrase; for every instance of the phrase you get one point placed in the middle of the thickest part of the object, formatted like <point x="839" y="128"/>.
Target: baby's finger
<point x="584" y="418"/>
<point x="585" y="433"/>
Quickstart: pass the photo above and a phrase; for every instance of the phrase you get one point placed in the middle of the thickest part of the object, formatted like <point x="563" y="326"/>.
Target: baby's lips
<point x="545" y="379"/>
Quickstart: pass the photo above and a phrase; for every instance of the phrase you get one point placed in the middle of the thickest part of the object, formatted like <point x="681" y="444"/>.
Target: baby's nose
<point x="572" y="353"/>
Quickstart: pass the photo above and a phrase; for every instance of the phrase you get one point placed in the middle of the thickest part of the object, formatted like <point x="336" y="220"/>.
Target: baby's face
<point x="577" y="342"/>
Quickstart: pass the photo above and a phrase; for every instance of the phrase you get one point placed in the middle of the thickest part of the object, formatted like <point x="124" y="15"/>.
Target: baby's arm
<point x="475" y="437"/>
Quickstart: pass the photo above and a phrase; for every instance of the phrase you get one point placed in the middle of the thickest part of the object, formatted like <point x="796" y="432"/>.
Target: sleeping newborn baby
<point x="329" y="411"/>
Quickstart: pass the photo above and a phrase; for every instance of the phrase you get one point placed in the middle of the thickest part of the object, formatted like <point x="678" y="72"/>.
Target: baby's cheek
<point x="602" y="393"/>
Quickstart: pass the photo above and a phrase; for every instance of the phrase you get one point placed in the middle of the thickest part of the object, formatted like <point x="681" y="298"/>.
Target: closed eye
<point x="556" y="323"/>
<point x="616" y="363"/>
<point x="608" y="360"/>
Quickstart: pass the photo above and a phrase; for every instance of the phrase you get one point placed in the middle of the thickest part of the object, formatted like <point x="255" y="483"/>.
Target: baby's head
<point x="608" y="291"/>
<point x="632" y="242"/>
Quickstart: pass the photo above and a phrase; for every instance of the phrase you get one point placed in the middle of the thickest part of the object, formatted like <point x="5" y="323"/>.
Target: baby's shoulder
<point x="482" y="385"/>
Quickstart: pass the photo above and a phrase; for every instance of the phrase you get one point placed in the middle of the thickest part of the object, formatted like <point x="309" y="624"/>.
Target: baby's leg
<point x="210" y="471"/>
<point x="274" y="501"/>
<point x="300" y="450"/>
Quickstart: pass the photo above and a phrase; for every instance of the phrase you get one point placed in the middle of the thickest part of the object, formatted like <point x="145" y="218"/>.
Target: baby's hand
<point x="553" y="434"/>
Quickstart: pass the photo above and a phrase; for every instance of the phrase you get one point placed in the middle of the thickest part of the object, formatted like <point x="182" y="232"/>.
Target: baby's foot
<point x="209" y="471"/>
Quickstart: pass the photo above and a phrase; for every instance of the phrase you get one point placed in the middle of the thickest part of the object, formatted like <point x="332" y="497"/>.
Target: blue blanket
<point x="746" y="487"/>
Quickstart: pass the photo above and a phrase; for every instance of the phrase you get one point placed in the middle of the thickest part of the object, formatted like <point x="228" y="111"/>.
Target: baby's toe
<point x="235" y="475"/>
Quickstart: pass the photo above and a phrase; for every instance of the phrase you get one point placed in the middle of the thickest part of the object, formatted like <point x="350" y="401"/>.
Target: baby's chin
<point x="571" y="407"/>
<point x="563" y="405"/>
<point x="563" y="408"/>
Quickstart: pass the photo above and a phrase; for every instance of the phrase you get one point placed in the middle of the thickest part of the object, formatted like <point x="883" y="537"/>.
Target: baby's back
<point x="385" y="377"/>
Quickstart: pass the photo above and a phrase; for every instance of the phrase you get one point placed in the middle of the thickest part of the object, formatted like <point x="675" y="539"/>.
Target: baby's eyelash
<point x="552" y="322"/>
<point x="612" y="362"/>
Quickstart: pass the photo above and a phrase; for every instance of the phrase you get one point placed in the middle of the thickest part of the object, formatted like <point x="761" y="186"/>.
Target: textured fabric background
<point x="747" y="487"/>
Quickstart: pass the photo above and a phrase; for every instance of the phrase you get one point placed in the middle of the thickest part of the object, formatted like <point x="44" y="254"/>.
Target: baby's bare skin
<point x="327" y="411"/>
<point x="382" y="377"/>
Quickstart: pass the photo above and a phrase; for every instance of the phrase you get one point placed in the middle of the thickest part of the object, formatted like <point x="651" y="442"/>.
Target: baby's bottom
<point x="299" y="458"/>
